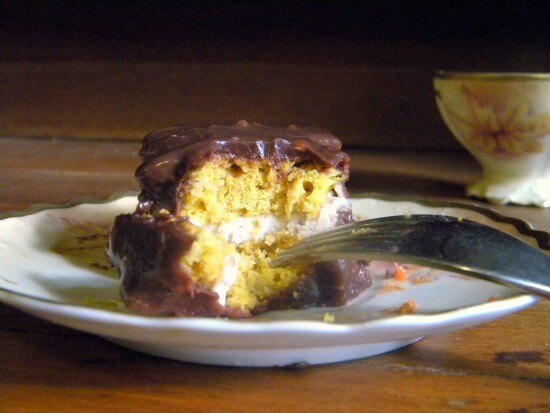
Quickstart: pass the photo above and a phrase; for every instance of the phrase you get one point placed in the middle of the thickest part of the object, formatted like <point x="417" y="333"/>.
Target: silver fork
<point x="437" y="241"/>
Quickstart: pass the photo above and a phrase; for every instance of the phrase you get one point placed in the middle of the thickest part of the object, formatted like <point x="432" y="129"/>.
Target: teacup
<point x="503" y="120"/>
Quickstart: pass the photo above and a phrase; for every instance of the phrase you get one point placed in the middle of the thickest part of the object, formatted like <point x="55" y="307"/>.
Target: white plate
<point x="51" y="266"/>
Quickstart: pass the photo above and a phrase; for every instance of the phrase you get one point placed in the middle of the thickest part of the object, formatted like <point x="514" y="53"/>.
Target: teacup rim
<point x="490" y="76"/>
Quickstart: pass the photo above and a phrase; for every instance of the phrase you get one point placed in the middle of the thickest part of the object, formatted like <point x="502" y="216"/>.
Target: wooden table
<point x="100" y="74"/>
<point x="502" y="366"/>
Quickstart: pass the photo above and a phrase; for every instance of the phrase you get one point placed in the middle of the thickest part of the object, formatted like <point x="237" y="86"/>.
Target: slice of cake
<point x="217" y="204"/>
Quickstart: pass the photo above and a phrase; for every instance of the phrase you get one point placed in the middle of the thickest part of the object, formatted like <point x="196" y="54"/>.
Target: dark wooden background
<point x="79" y="79"/>
<point x="361" y="69"/>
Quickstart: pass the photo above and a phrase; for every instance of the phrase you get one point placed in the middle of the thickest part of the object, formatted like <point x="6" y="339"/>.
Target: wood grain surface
<point x="82" y="82"/>
<point x="364" y="105"/>
<point x="361" y="69"/>
<point x="503" y="366"/>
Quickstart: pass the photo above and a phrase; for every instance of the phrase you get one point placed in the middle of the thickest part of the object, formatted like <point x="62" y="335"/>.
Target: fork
<point x="437" y="241"/>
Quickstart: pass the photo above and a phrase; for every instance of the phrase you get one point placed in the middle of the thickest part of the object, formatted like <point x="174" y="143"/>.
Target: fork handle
<point x="531" y="282"/>
<point x="476" y="250"/>
<point x="446" y="243"/>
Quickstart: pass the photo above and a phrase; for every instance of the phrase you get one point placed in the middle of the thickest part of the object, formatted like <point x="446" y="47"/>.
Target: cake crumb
<point x="409" y="307"/>
<point x="103" y="304"/>
<point x="328" y="318"/>
<point x="390" y="287"/>
<point x="400" y="274"/>
<point x="421" y="280"/>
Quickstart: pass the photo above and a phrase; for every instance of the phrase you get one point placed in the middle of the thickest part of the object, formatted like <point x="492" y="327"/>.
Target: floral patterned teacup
<point x="503" y="119"/>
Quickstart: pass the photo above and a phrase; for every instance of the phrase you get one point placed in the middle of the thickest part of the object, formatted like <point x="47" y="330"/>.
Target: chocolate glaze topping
<point x="147" y="251"/>
<point x="147" y="247"/>
<point x="169" y="154"/>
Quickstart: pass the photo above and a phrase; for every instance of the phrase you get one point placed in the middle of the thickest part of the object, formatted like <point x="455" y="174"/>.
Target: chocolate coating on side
<point x="147" y="247"/>
<point x="170" y="154"/>
<point x="146" y="251"/>
<point x="326" y="284"/>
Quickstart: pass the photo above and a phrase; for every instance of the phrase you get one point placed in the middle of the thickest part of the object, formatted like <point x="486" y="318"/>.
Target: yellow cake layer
<point x="207" y="258"/>
<point x="223" y="190"/>
<point x="256" y="282"/>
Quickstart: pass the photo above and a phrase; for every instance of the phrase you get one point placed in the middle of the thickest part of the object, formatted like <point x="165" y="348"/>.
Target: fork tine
<point x="341" y="244"/>
<point x="376" y="229"/>
<point x="447" y="243"/>
<point x="375" y="222"/>
<point x="394" y="221"/>
<point x="378" y="234"/>
<point x="359" y="248"/>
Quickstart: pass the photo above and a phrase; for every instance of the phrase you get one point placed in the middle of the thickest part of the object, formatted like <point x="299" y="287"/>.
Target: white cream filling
<point x="256" y="228"/>
<point x="229" y="276"/>
<point x="327" y="219"/>
<point x="245" y="229"/>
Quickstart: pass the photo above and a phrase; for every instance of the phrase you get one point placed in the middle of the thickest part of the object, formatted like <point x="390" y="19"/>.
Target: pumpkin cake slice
<point x="217" y="204"/>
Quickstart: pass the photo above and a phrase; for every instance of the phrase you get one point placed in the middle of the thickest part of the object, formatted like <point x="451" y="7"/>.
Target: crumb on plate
<point x="401" y="274"/>
<point x="408" y="307"/>
<point x="328" y="318"/>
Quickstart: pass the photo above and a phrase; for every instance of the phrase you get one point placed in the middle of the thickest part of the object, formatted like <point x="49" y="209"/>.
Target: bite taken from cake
<point x="217" y="204"/>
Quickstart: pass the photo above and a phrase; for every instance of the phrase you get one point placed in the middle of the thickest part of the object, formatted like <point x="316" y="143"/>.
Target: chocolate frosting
<point x="325" y="284"/>
<point x="147" y="252"/>
<point x="147" y="247"/>
<point x="169" y="154"/>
